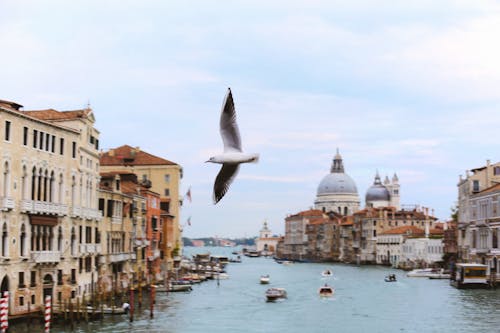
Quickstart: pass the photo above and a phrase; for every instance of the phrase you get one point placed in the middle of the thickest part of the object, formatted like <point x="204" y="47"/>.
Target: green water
<point x="363" y="302"/>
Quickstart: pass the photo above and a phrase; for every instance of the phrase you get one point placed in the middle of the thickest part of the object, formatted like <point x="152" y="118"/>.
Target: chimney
<point x="111" y="152"/>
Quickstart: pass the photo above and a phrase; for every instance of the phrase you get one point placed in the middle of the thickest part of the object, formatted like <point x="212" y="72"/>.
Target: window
<point x="73" y="149"/>
<point x="47" y="142"/>
<point x="32" y="299"/>
<point x="40" y="143"/>
<point x="496" y="170"/>
<point x="475" y="186"/>
<point x="35" y="138"/>
<point x="7" y="130"/>
<point x="61" y="146"/>
<point x="25" y="136"/>
<point x="21" y="280"/>
<point x="73" y="275"/>
<point x="167" y="178"/>
<point x="21" y="301"/>
<point x="101" y="205"/>
<point x="167" y="192"/>
<point x="53" y="144"/>
<point x="33" y="279"/>
<point x="88" y="235"/>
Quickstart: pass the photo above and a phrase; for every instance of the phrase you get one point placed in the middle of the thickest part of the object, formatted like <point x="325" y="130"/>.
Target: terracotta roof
<point x="127" y="155"/>
<point x="407" y="229"/>
<point x="347" y="220"/>
<point x="51" y="114"/>
<point x="317" y="221"/>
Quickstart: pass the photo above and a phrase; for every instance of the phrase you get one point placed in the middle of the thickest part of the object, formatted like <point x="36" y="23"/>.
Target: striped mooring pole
<point x="48" y="306"/>
<point x="4" y="312"/>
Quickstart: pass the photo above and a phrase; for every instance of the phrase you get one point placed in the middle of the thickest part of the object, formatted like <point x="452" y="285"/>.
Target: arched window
<point x="73" y="242"/>
<point x="40" y="185"/>
<point x="45" y="186"/>
<point x="5" y="241"/>
<point x="33" y="184"/>
<point x="61" y="188"/>
<point x="59" y="239"/>
<point x="52" y="187"/>
<point x="22" y="243"/>
<point x="24" y="183"/>
<point x="73" y="191"/>
<point x="345" y="211"/>
<point x="6" y="180"/>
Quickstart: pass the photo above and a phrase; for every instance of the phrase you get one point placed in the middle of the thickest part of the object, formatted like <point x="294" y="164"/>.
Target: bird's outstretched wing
<point x="228" y="126"/>
<point x="225" y="177"/>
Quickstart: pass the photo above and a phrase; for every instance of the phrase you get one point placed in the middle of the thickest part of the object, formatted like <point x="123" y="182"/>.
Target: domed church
<point x="337" y="191"/>
<point x="383" y="195"/>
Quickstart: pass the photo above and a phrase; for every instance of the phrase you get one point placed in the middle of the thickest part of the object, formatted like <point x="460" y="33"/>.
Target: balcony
<point x="7" y="203"/>
<point x="117" y="257"/>
<point x="46" y="257"/>
<point x="86" y="213"/>
<point x="90" y="248"/>
<point x="43" y="207"/>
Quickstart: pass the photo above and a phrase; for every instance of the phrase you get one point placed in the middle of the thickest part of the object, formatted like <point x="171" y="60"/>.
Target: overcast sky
<point x="410" y="87"/>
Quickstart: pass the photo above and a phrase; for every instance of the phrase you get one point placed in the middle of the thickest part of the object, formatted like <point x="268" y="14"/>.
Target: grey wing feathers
<point x="224" y="179"/>
<point x="228" y="126"/>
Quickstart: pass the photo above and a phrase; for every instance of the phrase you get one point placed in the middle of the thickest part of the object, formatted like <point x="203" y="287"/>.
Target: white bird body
<point x="233" y="155"/>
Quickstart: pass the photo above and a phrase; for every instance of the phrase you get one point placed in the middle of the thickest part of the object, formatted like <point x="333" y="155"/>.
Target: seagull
<point x="233" y="155"/>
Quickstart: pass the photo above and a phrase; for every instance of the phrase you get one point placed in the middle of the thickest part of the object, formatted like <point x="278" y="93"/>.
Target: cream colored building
<point x="164" y="178"/>
<point x="266" y="243"/>
<point x="49" y="166"/>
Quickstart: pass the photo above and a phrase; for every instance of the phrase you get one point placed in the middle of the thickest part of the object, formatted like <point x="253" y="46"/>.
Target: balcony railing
<point x="86" y="213"/>
<point x="43" y="257"/>
<point x="43" y="207"/>
<point x="117" y="257"/>
<point x="90" y="248"/>
<point x="7" y="203"/>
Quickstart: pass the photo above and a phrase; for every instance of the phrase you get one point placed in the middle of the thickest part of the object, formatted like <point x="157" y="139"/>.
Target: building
<point x="48" y="200"/>
<point x="323" y="235"/>
<point x="163" y="177"/>
<point x="337" y="191"/>
<point x="383" y="195"/>
<point x="266" y="243"/>
<point x="475" y="181"/>
<point x="424" y="250"/>
<point x="295" y="239"/>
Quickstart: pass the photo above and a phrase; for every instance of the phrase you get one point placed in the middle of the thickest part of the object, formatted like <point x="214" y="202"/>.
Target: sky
<point x="405" y="87"/>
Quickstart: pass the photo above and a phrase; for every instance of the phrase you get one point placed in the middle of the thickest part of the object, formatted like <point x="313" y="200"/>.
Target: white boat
<point x="273" y="294"/>
<point x="327" y="273"/>
<point x="326" y="291"/>
<point x="264" y="279"/>
<point x="221" y="276"/>
<point x="426" y="272"/>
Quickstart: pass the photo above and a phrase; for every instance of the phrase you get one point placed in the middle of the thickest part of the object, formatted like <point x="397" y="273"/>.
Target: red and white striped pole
<point x="48" y="306"/>
<point x="4" y="312"/>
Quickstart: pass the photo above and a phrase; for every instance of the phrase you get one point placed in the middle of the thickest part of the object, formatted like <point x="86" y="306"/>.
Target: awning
<point x="43" y="220"/>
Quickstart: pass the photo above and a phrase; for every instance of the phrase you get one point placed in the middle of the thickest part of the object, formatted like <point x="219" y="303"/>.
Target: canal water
<point x="363" y="302"/>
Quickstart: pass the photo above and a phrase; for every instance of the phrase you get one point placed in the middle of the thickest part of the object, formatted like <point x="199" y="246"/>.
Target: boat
<point x="264" y="279"/>
<point x="326" y="291"/>
<point x="221" y="276"/>
<point x="327" y="273"/>
<point x="273" y="294"/>
<point x="390" y="278"/>
<point x="287" y="262"/>
<point x="428" y="273"/>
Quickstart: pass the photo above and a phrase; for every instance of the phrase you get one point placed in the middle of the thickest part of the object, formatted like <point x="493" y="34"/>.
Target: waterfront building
<point x="422" y="251"/>
<point x="480" y="234"/>
<point x="337" y="191"/>
<point x="475" y="181"/>
<point x="347" y="242"/>
<point x="266" y="242"/>
<point x="383" y="195"/>
<point x="323" y="235"/>
<point x="48" y="200"/>
<point x="371" y="222"/>
<point x="295" y="239"/>
<point x="164" y="178"/>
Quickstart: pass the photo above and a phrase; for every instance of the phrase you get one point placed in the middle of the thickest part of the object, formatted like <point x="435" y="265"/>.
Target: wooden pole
<point x="131" y="304"/>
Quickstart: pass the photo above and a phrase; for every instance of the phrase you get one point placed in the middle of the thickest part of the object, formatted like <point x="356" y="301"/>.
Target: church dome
<point x="377" y="192"/>
<point x="336" y="183"/>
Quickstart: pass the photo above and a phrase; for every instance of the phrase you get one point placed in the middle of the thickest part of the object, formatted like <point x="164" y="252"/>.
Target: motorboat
<point x="326" y="291"/>
<point x="326" y="273"/>
<point x="427" y="272"/>
<point x="273" y="294"/>
<point x="390" y="278"/>
<point x="264" y="279"/>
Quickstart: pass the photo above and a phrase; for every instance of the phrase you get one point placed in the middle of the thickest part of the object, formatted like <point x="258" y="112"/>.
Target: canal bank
<point x="363" y="302"/>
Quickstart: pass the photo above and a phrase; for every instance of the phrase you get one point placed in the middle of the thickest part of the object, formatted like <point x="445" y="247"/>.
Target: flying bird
<point x="233" y="155"/>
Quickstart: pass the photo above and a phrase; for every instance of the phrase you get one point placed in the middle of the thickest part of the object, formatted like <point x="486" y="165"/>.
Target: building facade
<point x="48" y="201"/>
<point x="266" y="243"/>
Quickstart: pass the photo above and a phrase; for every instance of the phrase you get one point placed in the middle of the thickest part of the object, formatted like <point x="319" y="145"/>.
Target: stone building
<point x="48" y="201"/>
<point x="295" y="239"/>
<point x="164" y="178"/>
<point x="323" y="235"/>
